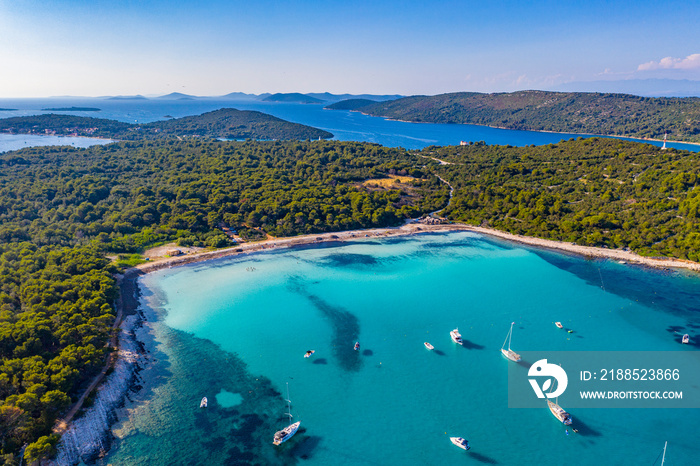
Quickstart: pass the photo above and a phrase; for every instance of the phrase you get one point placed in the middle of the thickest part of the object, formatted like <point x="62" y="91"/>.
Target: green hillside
<point x="227" y="123"/>
<point x="572" y="112"/>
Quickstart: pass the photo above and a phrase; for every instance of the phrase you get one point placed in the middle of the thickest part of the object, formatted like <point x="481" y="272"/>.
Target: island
<point x="294" y="97"/>
<point x="72" y="109"/>
<point x="564" y="112"/>
<point x="226" y="123"/>
<point x="8" y="109"/>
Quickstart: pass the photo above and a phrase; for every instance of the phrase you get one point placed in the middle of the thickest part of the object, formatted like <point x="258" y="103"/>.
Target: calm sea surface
<point x="345" y="125"/>
<point x="235" y="330"/>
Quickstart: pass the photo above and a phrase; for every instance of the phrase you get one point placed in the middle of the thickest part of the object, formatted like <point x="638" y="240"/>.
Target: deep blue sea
<point x="345" y="125"/>
<point x="236" y="329"/>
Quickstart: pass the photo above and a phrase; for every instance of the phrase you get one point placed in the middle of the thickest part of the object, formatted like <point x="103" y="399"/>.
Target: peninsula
<point x="563" y="112"/>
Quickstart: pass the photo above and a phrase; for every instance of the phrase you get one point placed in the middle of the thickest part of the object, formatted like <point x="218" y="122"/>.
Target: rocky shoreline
<point x="89" y="436"/>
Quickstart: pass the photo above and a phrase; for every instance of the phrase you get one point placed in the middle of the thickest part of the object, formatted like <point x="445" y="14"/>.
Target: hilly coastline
<point x="572" y="112"/>
<point x="226" y="123"/>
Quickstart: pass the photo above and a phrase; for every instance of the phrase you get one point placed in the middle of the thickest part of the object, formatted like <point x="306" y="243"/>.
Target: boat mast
<point x="664" y="457"/>
<point x="508" y="337"/>
<point x="289" y="411"/>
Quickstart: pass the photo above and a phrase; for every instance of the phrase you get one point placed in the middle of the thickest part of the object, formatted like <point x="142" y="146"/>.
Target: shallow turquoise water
<point x="239" y="328"/>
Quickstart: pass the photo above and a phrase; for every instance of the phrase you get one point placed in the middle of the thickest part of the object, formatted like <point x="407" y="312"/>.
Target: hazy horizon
<point x="208" y="48"/>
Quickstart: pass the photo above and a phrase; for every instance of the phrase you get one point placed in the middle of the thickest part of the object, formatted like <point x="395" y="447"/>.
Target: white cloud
<point x="690" y="62"/>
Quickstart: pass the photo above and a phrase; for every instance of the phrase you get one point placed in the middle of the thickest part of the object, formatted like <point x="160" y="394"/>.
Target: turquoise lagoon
<point x="236" y="329"/>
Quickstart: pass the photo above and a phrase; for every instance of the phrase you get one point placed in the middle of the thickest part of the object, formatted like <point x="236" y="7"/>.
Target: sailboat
<point x="559" y="413"/>
<point x="288" y="432"/>
<point x="663" y="458"/>
<point x="509" y="353"/>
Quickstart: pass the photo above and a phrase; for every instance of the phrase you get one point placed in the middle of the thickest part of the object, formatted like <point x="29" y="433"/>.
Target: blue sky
<point x="210" y="47"/>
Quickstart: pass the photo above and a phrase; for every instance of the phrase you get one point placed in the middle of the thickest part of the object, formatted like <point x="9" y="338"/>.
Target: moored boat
<point x="456" y="336"/>
<point x="558" y="324"/>
<point x="309" y="353"/>
<point x="204" y="402"/>
<point x="288" y="432"/>
<point x="509" y="353"/>
<point x="357" y="346"/>
<point x="686" y="339"/>
<point x="460" y="442"/>
<point x="429" y="346"/>
<point x="285" y="434"/>
<point x="559" y="413"/>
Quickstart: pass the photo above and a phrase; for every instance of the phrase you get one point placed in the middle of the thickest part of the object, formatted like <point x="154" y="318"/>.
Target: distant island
<point x="294" y="97"/>
<point x="127" y="97"/>
<point x="562" y="112"/>
<point x="351" y="104"/>
<point x="226" y="123"/>
<point x="72" y="109"/>
<point x="8" y="109"/>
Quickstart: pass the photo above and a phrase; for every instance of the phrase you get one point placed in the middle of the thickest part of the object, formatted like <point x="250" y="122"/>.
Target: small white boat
<point x="204" y="402"/>
<point x="429" y="346"/>
<point x="456" y="336"/>
<point x="509" y="353"/>
<point x="559" y="413"/>
<point x="309" y="353"/>
<point x="357" y="346"/>
<point x="686" y="339"/>
<point x="460" y="442"/>
<point x="558" y="324"/>
<point x="288" y="432"/>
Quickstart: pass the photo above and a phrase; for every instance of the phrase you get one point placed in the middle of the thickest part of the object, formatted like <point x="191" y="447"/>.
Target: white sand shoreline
<point x="415" y="228"/>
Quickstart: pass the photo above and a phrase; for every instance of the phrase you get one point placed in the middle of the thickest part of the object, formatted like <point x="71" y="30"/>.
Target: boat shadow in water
<point x="367" y="352"/>
<point x="305" y="448"/>
<point x="322" y="361"/>
<point x="438" y="352"/>
<point x="584" y="429"/>
<point x="471" y="345"/>
<point x="482" y="458"/>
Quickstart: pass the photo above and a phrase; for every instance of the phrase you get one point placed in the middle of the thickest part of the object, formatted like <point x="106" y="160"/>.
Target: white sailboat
<point x="559" y="413"/>
<point x="509" y="353"/>
<point x="288" y="432"/>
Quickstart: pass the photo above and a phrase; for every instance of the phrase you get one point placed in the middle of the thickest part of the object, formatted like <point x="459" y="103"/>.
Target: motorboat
<point x="686" y="339"/>
<point x="309" y="353"/>
<point x="357" y="346"/>
<point x="460" y="442"/>
<point x="429" y="346"/>
<point x="456" y="336"/>
<point x="204" y="402"/>
<point x="558" y="324"/>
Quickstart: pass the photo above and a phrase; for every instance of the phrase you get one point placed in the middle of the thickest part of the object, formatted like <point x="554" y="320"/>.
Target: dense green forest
<point x="597" y="192"/>
<point x="573" y="112"/>
<point x="63" y="209"/>
<point x="227" y="123"/>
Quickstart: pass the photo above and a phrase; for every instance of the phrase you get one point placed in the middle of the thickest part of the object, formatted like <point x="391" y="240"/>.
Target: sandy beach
<point x="415" y="228"/>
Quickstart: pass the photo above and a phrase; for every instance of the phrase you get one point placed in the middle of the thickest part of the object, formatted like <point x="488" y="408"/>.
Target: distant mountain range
<point x="296" y="97"/>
